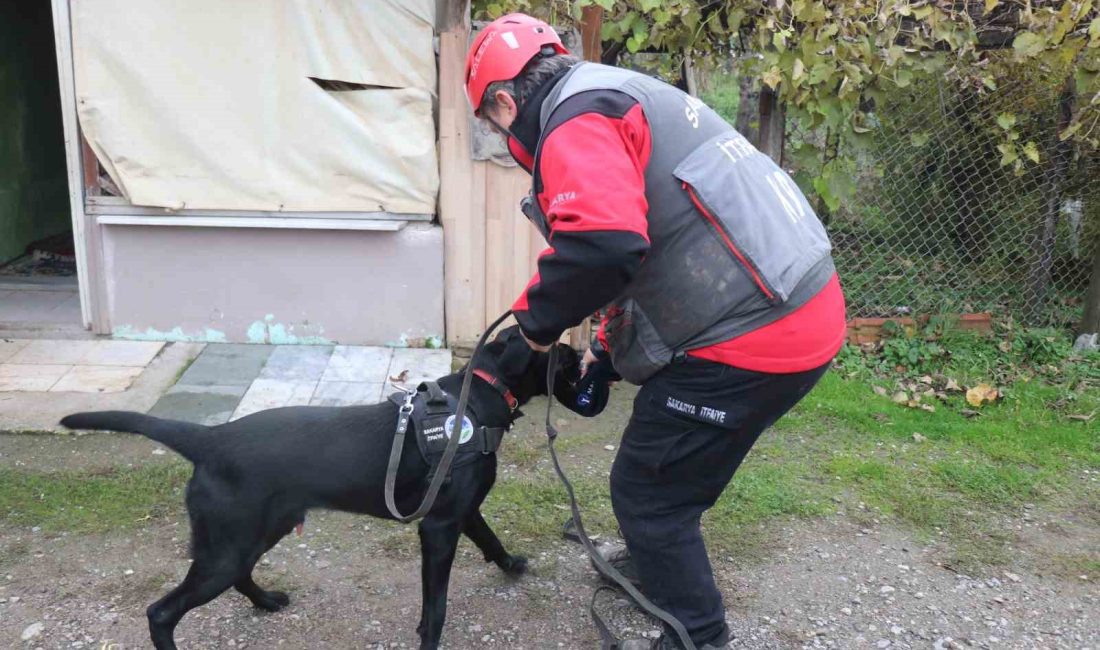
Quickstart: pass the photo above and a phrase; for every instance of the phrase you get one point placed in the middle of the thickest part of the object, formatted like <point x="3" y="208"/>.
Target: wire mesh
<point x="939" y="225"/>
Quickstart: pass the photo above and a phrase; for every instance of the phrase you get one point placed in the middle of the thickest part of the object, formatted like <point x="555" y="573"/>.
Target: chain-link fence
<point x="939" y="225"/>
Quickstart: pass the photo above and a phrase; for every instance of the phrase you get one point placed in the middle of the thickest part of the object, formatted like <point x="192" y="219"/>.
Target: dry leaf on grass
<point x="879" y="390"/>
<point x="900" y="397"/>
<point x="952" y="385"/>
<point x="1081" y="417"/>
<point x="978" y="395"/>
<point x="918" y="437"/>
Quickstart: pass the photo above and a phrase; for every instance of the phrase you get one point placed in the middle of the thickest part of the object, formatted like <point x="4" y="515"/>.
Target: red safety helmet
<point x="503" y="49"/>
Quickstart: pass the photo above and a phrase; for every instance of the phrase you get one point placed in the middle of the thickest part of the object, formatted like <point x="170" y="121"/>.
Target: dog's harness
<point x="441" y="470"/>
<point x="431" y="416"/>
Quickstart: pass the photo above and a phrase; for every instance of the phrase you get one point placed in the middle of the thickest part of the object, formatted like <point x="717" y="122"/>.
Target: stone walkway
<point x="73" y="366"/>
<point x="41" y="380"/>
<point x="230" y="381"/>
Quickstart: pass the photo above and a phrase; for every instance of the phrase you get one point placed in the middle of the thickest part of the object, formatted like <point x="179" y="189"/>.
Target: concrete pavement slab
<point x="346" y="393"/>
<point x="97" y="379"/>
<point x="209" y="408"/>
<point x="121" y="353"/>
<point x="8" y="348"/>
<point x="65" y="353"/>
<point x="423" y="364"/>
<point x="42" y="410"/>
<point x="30" y="377"/>
<point x="297" y="362"/>
<point x="266" y="394"/>
<point x="356" y="363"/>
<point x="227" y="364"/>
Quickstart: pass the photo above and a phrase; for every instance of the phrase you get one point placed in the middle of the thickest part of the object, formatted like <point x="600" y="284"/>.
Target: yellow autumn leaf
<point x="977" y="395"/>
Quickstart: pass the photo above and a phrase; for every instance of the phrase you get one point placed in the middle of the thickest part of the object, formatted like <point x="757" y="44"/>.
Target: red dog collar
<point x="513" y="403"/>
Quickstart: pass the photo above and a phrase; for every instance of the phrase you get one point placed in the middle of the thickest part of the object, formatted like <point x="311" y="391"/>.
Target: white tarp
<point x="209" y="104"/>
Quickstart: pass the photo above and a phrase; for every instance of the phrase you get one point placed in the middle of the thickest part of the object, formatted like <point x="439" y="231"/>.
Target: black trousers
<point x="692" y="425"/>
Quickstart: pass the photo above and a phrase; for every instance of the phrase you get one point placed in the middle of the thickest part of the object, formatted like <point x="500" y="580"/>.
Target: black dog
<point x="256" y="477"/>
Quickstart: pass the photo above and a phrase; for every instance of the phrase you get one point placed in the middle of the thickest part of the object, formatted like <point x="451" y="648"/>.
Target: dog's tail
<point x="187" y="439"/>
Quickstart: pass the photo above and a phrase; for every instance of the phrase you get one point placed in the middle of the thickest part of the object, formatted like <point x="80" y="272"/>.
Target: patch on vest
<point x="467" y="429"/>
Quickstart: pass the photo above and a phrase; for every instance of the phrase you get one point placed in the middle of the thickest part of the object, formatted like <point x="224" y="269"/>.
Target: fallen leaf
<point x="900" y="397"/>
<point x="401" y="378"/>
<point x="1082" y="418"/>
<point x="952" y="385"/>
<point x="942" y="396"/>
<point x="978" y="395"/>
<point x="918" y="437"/>
<point x="970" y="413"/>
<point x="1004" y="346"/>
<point x="926" y="380"/>
<point x="928" y="407"/>
<point x="879" y="390"/>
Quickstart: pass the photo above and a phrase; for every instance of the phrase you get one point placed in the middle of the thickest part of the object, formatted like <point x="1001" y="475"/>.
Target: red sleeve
<point x="593" y="193"/>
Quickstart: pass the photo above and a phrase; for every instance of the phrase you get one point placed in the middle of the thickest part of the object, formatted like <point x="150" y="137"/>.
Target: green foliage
<point x="827" y="59"/>
<point x="911" y="352"/>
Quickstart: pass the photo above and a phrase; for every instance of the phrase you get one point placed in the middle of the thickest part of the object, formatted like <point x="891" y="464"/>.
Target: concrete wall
<point x="275" y="286"/>
<point x="33" y="191"/>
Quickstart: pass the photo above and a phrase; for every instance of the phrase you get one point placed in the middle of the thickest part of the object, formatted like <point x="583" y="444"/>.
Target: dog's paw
<point x="513" y="565"/>
<point x="273" y="601"/>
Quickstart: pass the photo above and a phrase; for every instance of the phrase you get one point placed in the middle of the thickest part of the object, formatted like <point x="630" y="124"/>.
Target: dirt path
<point x="843" y="581"/>
<point x="354" y="582"/>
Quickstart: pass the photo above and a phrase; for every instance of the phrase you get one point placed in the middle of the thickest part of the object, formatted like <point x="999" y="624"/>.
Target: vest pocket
<point x="637" y="351"/>
<point x="757" y="211"/>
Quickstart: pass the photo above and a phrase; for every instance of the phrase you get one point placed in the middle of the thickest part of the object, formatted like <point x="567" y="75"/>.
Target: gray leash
<point x="443" y="468"/>
<point x="608" y="641"/>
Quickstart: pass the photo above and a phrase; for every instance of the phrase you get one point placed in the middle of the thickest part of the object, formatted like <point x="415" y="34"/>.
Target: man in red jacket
<point x="721" y="297"/>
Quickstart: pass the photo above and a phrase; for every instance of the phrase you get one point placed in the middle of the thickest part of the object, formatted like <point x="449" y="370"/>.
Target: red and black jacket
<point x="589" y="180"/>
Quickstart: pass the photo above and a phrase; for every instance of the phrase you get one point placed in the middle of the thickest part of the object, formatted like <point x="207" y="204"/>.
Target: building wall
<point x="33" y="191"/>
<point x="275" y="286"/>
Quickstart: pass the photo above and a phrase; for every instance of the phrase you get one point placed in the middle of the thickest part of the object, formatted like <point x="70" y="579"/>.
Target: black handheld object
<point x="594" y="387"/>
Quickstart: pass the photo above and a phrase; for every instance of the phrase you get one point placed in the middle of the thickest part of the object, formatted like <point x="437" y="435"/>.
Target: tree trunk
<point x="1090" y="322"/>
<point x="1039" y="275"/>
<point x="748" y="107"/>
<point x="773" y="125"/>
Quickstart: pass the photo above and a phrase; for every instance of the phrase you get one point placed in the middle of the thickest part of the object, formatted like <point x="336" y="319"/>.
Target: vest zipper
<point x="729" y="242"/>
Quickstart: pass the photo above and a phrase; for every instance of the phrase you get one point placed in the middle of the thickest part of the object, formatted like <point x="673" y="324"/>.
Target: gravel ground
<point x="850" y="580"/>
<point x="354" y="582"/>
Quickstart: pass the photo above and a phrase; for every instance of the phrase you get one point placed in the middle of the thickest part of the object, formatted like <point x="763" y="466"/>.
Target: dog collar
<point x="497" y="384"/>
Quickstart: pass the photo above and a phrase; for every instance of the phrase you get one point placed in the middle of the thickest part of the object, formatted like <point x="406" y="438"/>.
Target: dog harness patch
<point x="433" y="423"/>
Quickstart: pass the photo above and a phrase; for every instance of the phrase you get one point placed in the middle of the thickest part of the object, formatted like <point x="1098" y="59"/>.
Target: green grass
<point x="843" y="448"/>
<point x="91" y="502"/>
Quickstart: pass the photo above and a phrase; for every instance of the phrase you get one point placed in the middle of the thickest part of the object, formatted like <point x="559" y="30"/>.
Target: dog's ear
<point x="513" y="355"/>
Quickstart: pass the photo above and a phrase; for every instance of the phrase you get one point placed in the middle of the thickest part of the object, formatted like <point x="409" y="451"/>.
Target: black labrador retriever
<point x="255" y="478"/>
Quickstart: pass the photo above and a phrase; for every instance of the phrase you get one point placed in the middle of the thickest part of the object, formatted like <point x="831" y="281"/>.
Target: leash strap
<point x="443" y="467"/>
<point x="601" y="564"/>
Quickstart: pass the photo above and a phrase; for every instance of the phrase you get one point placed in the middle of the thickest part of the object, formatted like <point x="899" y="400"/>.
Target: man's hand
<point x="588" y="359"/>
<point x="537" y="347"/>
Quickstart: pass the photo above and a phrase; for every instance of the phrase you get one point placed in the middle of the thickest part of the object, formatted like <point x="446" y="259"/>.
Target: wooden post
<point x="461" y="189"/>
<point x="591" y="23"/>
